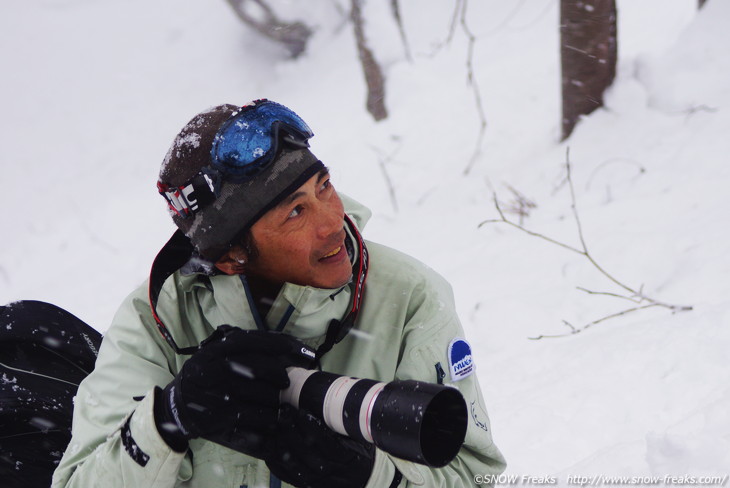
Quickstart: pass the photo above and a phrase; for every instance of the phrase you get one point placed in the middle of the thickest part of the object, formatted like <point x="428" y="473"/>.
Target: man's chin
<point x="337" y="284"/>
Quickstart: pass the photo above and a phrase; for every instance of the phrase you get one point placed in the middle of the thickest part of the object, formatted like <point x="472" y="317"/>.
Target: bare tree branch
<point x="370" y="67"/>
<point x="475" y="88"/>
<point x="636" y="296"/>
<point x="454" y="18"/>
<point x="395" y="9"/>
<point x="503" y="220"/>
<point x="293" y="35"/>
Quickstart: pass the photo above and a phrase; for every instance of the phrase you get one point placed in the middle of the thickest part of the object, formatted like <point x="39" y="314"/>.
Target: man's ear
<point x="233" y="262"/>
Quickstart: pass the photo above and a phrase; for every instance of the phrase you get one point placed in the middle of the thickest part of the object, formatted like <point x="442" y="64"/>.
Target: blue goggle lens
<point x="249" y="140"/>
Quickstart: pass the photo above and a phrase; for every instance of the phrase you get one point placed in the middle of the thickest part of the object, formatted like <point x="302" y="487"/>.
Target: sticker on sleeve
<point x="461" y="363"/>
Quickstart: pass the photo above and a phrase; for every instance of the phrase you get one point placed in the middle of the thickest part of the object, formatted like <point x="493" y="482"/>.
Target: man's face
<point x="302" y="240"/>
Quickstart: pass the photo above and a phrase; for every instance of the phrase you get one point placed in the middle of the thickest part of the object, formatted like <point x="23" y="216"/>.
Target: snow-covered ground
<point x="93" y="92"/>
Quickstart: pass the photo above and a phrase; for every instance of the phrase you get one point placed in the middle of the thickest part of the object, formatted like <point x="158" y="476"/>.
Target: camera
<point x="412" y="420"/>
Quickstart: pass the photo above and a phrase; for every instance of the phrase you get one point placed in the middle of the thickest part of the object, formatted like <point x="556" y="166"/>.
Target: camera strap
<point x="338" y="329"/>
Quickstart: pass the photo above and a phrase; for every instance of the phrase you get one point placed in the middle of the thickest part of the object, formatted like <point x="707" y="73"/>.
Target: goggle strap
<point x="175" y="202"/>
<point x="188" y="199"/>
<point x="295" y="141"/>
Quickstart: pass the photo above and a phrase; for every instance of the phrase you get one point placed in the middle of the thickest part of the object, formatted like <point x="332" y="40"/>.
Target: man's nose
<point x="330" y="221"/>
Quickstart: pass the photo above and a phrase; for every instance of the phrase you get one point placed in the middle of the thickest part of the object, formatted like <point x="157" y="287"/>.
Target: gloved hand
<point x="228" y="391"/>
<point x="308" y="454"/>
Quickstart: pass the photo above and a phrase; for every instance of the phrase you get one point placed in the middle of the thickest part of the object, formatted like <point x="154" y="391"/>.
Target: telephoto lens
<point x="412" y="420"/>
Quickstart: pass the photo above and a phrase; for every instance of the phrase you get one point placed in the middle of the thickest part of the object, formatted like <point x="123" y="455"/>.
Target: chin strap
<point x="178" y="251"/>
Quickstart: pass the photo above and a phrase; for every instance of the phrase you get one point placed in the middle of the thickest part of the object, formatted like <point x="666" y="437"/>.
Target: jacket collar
<point x="302" y="311"/>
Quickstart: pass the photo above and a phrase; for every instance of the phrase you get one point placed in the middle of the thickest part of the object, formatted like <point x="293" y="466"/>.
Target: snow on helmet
<point x="229" y="166"/>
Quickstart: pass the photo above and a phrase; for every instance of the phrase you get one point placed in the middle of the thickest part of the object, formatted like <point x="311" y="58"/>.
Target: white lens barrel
<point x="417" y="421"/>
<point x="297" y="377"/>
<point x="341" y="420"/>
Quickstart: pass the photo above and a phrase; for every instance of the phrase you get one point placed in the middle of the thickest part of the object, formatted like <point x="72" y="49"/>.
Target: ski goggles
<point x="243" y="146"/>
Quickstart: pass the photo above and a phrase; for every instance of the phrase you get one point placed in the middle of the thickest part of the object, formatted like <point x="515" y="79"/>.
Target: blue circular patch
<point x="461" y="362"/>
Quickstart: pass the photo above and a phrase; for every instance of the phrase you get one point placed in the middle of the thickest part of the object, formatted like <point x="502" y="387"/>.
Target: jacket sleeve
<point x="114" y="437"/>
<point x="431" y="327"/>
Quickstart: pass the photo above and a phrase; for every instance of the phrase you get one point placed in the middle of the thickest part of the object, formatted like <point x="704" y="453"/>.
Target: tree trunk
<point x="371" y="69"/>
<point x="588" y="54"/>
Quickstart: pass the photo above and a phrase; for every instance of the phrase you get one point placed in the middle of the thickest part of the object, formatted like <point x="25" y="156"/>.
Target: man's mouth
<point x="332" y="253"/>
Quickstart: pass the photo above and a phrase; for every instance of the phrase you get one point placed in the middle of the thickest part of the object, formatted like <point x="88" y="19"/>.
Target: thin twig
<point x="531" y="23"/>
<point x="516" y="7"/>
<point x="609" y="294"/>
<point x="471" y="79"/>
<point x="452" y="25"/>
<point x="382" y="159"/>
<point x="573" y="330"/>
<point x="608" y="162"/>
<point x="521" y="205"/>
<point x="459" y="15"/>
<point x="395" y="9"/>
<point x="577" y="330"/>
<point x="699" y="108"/>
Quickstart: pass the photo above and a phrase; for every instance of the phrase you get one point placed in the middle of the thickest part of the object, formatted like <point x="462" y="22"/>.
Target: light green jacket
<point x="403" y="331"/>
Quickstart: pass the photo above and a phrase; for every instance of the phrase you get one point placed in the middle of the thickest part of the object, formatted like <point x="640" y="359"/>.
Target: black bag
<point x="45" y="352"/>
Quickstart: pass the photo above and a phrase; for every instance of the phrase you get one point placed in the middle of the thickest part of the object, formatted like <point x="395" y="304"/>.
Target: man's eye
<point x="294" y="213"/>
<point x="327" y="184"/>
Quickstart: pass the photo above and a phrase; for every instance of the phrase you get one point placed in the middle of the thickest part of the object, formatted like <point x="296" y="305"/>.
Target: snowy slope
<point x="93" y="93"/>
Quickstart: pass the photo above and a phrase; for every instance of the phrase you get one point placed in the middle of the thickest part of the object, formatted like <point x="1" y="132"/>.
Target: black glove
<point x="308" y="454"/>
<point x="228" y="391"/>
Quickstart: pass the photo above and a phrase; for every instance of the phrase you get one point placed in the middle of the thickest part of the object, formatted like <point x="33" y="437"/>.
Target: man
<point x="267" y="269"/>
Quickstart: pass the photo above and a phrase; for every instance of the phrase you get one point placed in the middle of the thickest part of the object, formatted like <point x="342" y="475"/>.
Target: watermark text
<point x="598" y="480"/>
